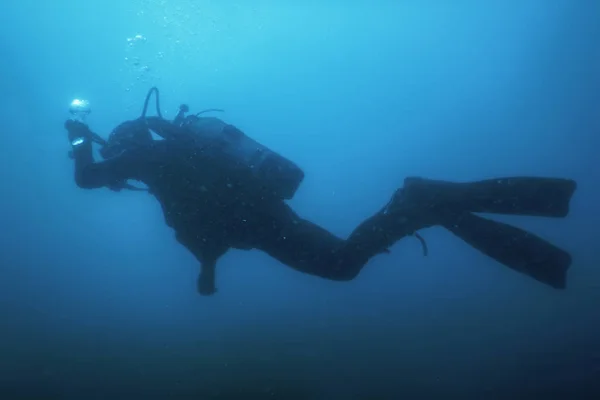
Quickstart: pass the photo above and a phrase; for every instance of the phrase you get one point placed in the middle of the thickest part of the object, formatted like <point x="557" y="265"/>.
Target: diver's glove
<point x="206" y="281"/>
<point x="78" y="132"/>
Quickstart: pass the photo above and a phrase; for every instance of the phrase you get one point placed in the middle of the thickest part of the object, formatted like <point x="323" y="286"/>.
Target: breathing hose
<point x="153" y="89"/>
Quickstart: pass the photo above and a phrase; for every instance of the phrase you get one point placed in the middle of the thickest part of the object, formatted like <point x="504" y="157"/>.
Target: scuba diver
<point x="221" y="190"/>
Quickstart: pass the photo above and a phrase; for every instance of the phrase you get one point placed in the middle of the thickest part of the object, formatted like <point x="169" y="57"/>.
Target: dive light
<point x="80" y="109"/>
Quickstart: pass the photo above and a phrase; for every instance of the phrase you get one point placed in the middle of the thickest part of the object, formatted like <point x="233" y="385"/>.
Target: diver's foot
<point x="416" y="194"/>
<point x="408" y="215"/>
<point x="395" y="203"/>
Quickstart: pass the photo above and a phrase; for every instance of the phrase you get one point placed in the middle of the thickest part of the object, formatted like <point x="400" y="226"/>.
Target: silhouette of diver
<point x="220" y="190"/>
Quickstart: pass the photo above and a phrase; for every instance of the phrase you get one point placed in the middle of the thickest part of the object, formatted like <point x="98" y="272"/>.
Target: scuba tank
<point x="275" y="173"/>
<point x="272" y="172"/>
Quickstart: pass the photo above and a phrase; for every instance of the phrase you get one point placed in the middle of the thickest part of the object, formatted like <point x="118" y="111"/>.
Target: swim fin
<point x="517" y="249"/>
<point x="533" y="196"/>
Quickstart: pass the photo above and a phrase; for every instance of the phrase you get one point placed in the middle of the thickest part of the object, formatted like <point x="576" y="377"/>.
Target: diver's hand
<point x="77" y="130"/>
<point x="206" y="287"/>
<point x="206" y="281"/>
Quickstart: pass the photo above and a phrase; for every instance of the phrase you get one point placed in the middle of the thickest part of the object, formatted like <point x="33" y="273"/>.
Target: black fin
<point x="544" y="197"/>
<point x="515" y="248"/>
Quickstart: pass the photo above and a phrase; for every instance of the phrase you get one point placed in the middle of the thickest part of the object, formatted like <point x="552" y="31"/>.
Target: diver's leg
<point x="393" y="222"/>
<point x="517" y="249"/>
<point x="277" y="230"/>
<point x="546" y="197"/>
<point x="302" y="245"/>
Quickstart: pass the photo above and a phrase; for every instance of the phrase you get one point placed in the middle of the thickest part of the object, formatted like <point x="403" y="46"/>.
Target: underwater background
<point x="98" y="300"/>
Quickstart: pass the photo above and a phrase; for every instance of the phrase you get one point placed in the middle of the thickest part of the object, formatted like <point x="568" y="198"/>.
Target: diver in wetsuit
<point x="216" y="199"/>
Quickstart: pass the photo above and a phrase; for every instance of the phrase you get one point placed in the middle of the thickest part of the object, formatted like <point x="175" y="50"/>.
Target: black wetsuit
<point x="212" y="212"/>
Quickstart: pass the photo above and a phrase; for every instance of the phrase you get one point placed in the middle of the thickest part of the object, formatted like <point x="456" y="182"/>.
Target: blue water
<point x="98" y="300"/>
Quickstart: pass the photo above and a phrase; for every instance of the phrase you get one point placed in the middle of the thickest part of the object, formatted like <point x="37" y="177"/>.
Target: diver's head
<point x="127" y="136"/>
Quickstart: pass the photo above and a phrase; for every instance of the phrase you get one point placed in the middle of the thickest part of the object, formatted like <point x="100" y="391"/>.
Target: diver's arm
<point x="93" y="175"/>
<point x="206" y="279"/>
<point x="88" y="173"/>
<point x="207" y="253"/>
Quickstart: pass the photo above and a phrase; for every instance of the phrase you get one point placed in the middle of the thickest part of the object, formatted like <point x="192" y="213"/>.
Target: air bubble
<point x="136" y="39"/>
